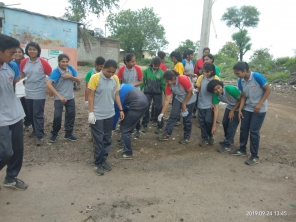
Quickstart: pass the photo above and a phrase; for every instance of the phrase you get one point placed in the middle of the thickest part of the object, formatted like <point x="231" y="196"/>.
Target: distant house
<point x="54" y="35"/>
<point x="108" y="48"/>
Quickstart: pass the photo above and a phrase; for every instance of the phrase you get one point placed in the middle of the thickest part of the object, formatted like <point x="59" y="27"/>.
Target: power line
<point x="123" y="5"/>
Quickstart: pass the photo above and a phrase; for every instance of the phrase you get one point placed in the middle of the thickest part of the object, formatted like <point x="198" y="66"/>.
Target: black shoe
<point x="124" y="156"/>
<point x="144" y="129"/>
<point x="39" y="141"/>
<point x="106" y="166"/>
<point x="32" y="134"/>
<point x="178" y="123"/>
<point x="70" y="137"/>
<point x="16" y="184"/>
<point x="164" y="137"/>
<point x="138" y="134"/>
<point x="222" y="142"/>
<point x="203" y="142"/>
<point x="184" y="141"/>
<point x="252" y="161"/>
<point x="27" y="128"/>
<point x="53" y="138"/>
<point x="158" y="131"/>
<point x="99" y="169"/>
<point x="211" y="140"/>
<point x="224" y="149"/>
<point x="237" y="152"/>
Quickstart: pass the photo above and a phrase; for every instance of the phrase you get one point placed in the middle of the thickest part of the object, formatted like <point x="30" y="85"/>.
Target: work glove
<point x="160" y="117"/>
<point x="20" y="88"/>
<point x="91" y="118"/>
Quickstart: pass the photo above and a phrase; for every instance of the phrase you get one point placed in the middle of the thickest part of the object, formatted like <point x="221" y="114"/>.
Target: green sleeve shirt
<point x="88" y="75"/>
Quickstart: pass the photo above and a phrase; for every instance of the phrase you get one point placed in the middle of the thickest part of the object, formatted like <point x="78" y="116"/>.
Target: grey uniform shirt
<point x="11" y="110"/>
<point x="180" y="91"/>
<point x="253" y="90"/>
<point x="63" y="86"/>
<point x="205" y="97"/>
<point x="130" y="76"/>
<point x="228" y="99"/>
<point x="36" y="80"/>
<point x="104" y="95"/>
<point x="189" y="68"/>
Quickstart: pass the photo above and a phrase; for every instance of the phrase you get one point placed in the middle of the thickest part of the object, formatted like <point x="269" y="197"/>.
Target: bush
<point x="283" y="76"/>
<point x="144" y="62"/>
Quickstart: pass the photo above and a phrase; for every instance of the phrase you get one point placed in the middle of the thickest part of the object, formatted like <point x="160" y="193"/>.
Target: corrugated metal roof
<point x="35" y="13"/>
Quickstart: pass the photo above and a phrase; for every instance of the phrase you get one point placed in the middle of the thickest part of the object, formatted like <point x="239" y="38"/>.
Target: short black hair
<point x="209" y="67"/>
<point x="99" y="61"/>
<point x="177" y="55"/>
<point x="110" y="63"/>
<point x="212" y="84"/>
<point x="155" y="61"/>
<point x="161" y="54"/>
<point x="61" y="56"/>
<point x="128" y="57"/>
<point x="35" y="45"/>
<point x="208" y="55"/>
<point x="241" y="66"/>
<point x="170" y="74"/>
<point x="206" y="48"/>
<point x="7" y="42"/>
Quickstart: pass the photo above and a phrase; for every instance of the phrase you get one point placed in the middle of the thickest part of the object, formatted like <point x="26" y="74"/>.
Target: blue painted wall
<point x="27" y="27"/>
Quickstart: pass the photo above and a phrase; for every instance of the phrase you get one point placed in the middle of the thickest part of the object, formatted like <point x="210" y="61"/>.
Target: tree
<point x="138" y="31"/>
<point x="188" y="44"/>
<point x="242" y="40"/>
<point x="79" y="9"/>
<point x="241" y="18"/>
<point x="261" y="54"/>
<point x="230" y="49"/>
<point x="98" y="32"/>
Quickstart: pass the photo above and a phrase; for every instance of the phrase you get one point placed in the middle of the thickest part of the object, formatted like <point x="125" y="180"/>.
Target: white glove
<point x="91" y="118"/>
<point x="160" y="117"/>
<point x="20" y="88"/>
<point x="86" y="104"/>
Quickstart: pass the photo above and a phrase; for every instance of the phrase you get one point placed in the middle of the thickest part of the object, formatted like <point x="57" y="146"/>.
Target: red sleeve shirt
<point x="139" y="72"/>
<point x="163" y="67"/>
<point x="47" y="68"/>
<point x="183" y="81"/>
<point x="120" y="72"/>
<point x="198" y="65"/>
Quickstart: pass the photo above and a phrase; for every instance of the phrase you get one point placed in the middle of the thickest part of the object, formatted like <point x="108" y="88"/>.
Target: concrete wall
<point x="108" y="48"/>
<point x="51" y="33"/>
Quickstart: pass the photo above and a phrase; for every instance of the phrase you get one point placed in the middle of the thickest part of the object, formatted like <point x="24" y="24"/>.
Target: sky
<point x="182" y="20"/>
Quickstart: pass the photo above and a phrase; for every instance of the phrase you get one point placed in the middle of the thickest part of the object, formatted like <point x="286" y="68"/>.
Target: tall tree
<point x="79" y="9"/>
<point x="188" y="44"/>
<point x="242" y="40"/>
<point x="241" y="18"/>
<point x="230" y="49"/>
<point x="137" y="31"/>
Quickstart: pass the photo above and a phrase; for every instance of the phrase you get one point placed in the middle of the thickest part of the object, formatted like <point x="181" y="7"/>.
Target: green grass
<point x="283" y="76"/>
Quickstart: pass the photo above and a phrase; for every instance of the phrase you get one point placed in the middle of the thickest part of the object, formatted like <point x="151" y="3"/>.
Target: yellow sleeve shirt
<point x="179" y="68"/>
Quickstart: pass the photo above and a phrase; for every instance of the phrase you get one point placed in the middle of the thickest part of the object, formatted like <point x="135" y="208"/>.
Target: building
<point x="54" y="35"/>
<point x="108" y="48"/>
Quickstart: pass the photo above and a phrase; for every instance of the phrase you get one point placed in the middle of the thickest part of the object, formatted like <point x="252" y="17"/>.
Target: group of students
<point x="133" y="96"/>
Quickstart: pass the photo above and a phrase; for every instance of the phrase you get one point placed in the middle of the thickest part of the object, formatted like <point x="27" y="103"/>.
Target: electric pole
<point x="206" y="25"/>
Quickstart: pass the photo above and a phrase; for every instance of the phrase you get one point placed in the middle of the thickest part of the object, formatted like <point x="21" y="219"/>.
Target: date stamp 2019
<point x="266" y="213"/>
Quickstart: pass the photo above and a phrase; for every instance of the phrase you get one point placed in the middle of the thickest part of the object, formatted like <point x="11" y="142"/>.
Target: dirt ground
<point x="165" y="181"/>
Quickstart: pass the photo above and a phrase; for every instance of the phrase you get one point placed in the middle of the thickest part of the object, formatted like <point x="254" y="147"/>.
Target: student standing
<point x="252" y="110"/>
<point x="210" y="58"/>
<point x="162" y="66"/>
<point x="135" y="104"/>
<point x="60" y="83"/>
<point x="35" y="69"/>
<point x="18" y="57"/>
<point x="103" y="89"/>
<point x="99" y="63"/>
<point x="177" y="60"/>
<point x="200" y="62"/>
<point x="153" y="87"/>
<point x="184" y="101"/>
<point x="131" y="74"/>
<point x="231" y="96"/>
<point x="206" y="117"/>
<point x="11" y="115"/>
<point x="188" y="64"/>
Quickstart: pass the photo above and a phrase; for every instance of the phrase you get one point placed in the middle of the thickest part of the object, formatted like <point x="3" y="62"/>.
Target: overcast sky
<point x="182" y="20"/>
